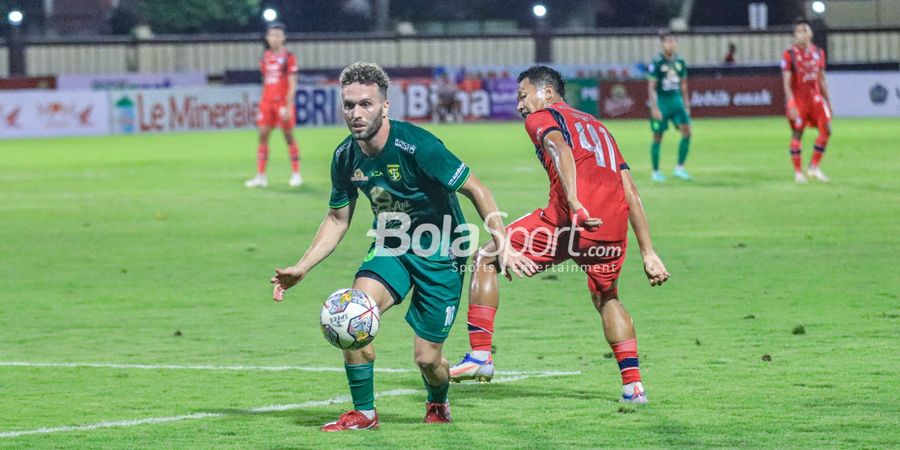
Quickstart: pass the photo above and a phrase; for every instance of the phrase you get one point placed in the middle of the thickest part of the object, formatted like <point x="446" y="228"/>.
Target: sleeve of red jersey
<point x="822" y="58"/>
<point x="620" y="160"/>
<point x="292" y="64"/>
<point x="786" y="63"/>
<point x="539" y="124"/>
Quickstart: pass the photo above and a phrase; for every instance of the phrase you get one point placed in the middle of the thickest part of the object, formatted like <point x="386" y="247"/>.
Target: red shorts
<point x="547" y="245"/>
<point x="811" y="114"/>
<point x="275" y="114"/>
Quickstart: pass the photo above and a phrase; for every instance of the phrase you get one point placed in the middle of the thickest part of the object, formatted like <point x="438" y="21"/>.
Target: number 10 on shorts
<point x="451" y="312"/>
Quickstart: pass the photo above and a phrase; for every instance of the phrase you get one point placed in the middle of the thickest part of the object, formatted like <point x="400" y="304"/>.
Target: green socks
<point x="683" y="148"/>
<point x="436" y="394"/>
<point x="362" y="385"/>
<point x="654" y="155"/>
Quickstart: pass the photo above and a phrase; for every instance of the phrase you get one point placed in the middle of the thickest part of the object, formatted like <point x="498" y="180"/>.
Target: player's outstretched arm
<point x="484" y="203"/>
<point x="564" y="161"/>
<point x="653" y="265"/>
<point x="330" y="233"/>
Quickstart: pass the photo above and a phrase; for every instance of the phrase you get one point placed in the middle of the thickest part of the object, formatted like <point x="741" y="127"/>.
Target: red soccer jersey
<point x="598" y="166"/>
<point x="277" y="68"/>
<point x="805" y="65"/>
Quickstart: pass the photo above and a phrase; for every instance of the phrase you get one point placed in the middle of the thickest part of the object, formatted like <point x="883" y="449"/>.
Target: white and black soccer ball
<point x="350" y="319"/>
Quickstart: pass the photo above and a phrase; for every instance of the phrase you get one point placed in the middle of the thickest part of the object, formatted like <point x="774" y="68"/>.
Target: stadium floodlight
<point x="15" y="17"/>
<point x="818" y="7"/>
<point x="539" y="11"/>
<point x="270" y="14"/>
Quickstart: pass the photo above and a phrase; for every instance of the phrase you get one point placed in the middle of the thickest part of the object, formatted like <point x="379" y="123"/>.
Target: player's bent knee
<point x="600" y="299"/>
<point x="427" y="361"/>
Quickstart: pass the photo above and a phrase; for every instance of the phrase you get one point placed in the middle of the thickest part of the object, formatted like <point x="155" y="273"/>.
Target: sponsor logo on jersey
<point x="405" y="146"/>
<point x="343" y="147"/>
<point x="393" y="172"/>
<point x="456" y="175"/>
<point x="359" y="176"/>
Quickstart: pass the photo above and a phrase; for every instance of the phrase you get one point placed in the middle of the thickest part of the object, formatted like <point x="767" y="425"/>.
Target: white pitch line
<point x="258" y="410"/>
<point x="249" y="368"/>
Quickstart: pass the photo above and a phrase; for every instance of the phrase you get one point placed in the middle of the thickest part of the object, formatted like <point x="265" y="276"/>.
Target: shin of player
<point x="667" y="88"/>
<point x="806" y="93"/>
<point x="276" y="107"/>
<point x="393" y="163"/>
<point x="580" y="155"/>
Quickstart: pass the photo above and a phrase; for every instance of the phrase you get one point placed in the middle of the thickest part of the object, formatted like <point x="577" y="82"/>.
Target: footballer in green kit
<point x="669" y="102"/>
<point x="421" y="237"/>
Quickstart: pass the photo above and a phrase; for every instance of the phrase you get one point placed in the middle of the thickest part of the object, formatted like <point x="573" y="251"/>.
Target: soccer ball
<point x="350" y="319"/>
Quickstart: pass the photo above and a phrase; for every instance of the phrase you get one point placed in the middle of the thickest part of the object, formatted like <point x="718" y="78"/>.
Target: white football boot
<point x="296" y="180"/>
<point x="473" y="369"/>
<point x="259" y="181"/>
<point x="815" y="173"/>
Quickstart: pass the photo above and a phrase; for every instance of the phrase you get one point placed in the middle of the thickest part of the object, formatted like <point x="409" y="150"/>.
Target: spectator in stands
<point x="448" y="105"/>
<point x="729" y="57"/>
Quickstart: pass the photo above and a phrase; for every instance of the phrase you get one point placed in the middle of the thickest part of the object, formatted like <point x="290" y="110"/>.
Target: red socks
<point x="295" y="157"/>
<point x="795" y="154"/>
<point x="262" y="157"/>
<point x="627" y="357"/>
<point x="481" y="327"/>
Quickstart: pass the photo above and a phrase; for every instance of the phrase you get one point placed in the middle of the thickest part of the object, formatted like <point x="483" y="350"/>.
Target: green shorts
<point x="672" y="110"/>
<point x="436" y="286"/>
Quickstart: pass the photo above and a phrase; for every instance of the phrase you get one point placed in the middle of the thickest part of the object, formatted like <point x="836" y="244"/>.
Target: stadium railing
<point x="214" y="54"/>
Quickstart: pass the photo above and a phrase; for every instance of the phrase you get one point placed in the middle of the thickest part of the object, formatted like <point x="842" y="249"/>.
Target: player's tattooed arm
<point x="653" y="265"/>
<point x="564" y="161"/>
<point x="685" y="96"/>
<point x="654" y="103"/>
<point x="484" y="203"/>
<point x="331" y="232"/>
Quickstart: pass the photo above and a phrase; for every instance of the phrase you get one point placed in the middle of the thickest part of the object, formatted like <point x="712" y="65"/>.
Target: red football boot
<point x="437" y="413"/>
<point x="352" y="420"/>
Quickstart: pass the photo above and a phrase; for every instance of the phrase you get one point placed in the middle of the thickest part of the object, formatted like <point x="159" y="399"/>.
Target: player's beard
<point x="370" y="130"/>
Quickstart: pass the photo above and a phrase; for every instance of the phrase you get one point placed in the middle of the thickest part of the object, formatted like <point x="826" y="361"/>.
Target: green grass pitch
<point x="149" y="250"/>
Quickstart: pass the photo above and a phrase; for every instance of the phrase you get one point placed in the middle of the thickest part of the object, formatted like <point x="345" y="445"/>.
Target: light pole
<point x="542" y="47"/>
<point x="16" y="54"/>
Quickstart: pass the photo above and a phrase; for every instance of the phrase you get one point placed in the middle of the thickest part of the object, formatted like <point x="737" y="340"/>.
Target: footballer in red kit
<point x="803" y="73"/>
<point x="276" y="107"/>
<point x="592" y="199"/>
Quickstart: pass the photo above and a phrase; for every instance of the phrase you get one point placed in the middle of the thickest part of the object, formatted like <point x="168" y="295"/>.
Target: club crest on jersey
<point x="393" y="172"/>
<point x="359" y="176"/>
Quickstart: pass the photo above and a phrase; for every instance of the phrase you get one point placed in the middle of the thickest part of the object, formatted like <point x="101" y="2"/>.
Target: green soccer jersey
<point x="414" y="174"/>
<point x="668" y="73"/>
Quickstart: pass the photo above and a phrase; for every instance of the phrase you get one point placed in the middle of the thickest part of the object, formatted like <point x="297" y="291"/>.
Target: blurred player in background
<point x="669" y="101"/>
<point x="592" y="199"/>
<point x="803" y="72"/>
<point x="276" y="107"/>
